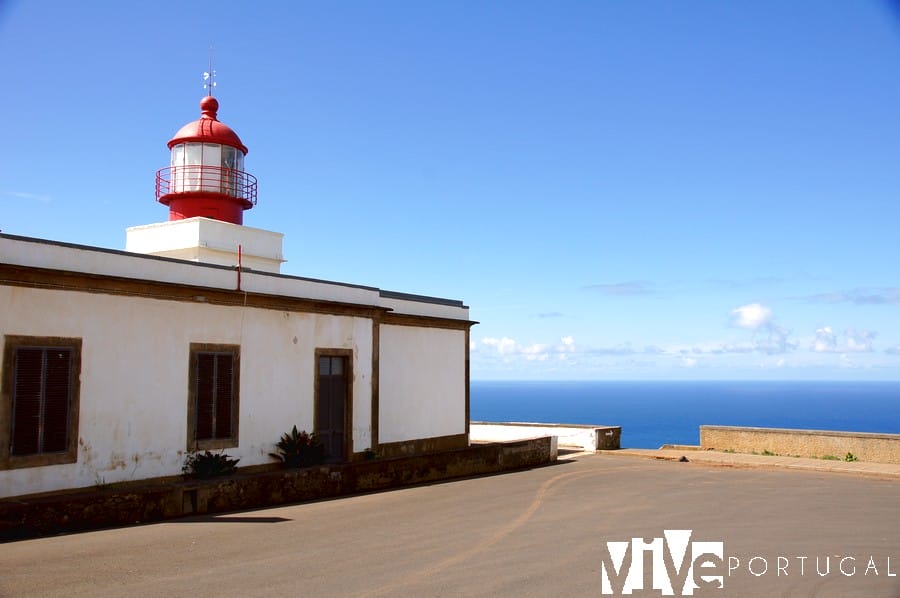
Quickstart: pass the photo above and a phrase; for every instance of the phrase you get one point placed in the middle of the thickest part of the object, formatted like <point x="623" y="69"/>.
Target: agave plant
<point x="208" y="465"/>
<point x="299" y="449"/>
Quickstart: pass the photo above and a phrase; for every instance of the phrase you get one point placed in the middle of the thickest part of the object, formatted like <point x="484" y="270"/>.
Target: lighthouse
<point x="206" y="174"/>
<point x="207" y="192"/>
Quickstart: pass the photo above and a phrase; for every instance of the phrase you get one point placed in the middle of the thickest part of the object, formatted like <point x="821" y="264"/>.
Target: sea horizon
<point x="656" y="412"/>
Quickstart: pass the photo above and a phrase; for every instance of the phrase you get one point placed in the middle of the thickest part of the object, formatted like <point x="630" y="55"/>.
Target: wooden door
<point x="331" y="405"/>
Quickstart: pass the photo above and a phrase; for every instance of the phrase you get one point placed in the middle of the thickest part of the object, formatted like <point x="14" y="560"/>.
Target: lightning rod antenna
<point x="209" y="77"/>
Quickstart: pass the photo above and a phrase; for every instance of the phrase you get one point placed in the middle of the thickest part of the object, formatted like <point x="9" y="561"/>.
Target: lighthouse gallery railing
<point x="193" y="178"/>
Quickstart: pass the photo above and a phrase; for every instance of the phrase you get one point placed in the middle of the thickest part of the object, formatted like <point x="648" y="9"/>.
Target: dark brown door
<point x="331" y="405"/>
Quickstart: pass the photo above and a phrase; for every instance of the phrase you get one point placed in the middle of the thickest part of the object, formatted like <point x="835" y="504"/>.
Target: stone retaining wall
<point x="584" y="437"/>
<point x="876" y="448"/>
<point x="156" y="500"/>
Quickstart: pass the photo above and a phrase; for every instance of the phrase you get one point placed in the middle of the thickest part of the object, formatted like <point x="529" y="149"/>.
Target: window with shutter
<point x="213" y="396"/>
<point x="39" y="407"/>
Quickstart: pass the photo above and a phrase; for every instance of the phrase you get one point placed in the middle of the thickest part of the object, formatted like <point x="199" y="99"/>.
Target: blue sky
<point x="619" y="190"/>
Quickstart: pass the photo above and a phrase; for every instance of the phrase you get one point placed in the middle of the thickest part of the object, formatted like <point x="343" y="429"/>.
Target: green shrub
<point x="299" y="449"/>
<point x="850" y="457"/>
<point x="208" y="465"/>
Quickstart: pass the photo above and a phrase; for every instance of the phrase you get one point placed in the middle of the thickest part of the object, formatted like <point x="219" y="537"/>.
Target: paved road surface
<point x="540" y="532"/>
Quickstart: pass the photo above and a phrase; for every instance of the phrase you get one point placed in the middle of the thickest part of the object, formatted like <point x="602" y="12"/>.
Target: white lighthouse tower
<point x="207" y="191"/>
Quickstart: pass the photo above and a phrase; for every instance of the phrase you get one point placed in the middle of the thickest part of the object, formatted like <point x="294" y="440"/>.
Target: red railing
<point x="200" y="178"/>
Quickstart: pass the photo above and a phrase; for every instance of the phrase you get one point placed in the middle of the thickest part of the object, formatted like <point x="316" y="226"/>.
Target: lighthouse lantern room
<point x="207" y="191"/>
<point x="206" y="174"/>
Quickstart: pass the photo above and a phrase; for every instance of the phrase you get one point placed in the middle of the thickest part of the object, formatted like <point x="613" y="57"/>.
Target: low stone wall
<point x="156" y="500"/>
<point x="585" y="437"/>
<point x="876" y="448"/>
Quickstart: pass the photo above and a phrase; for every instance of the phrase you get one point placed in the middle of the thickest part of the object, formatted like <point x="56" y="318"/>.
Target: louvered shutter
<point x="26" y="429"/>
<point x="56" y="400"/>
<point x="206" y="398"/>
<point x="215" y="395"/>
<point x="224" y="394"/>
<point x="41" y="398"/>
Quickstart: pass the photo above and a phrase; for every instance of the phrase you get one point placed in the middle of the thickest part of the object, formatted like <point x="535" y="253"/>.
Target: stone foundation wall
<point x="156" y="500"/>
<point x="877" y="448"/>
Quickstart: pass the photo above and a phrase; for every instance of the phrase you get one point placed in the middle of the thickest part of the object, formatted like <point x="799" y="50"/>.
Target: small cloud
<point x="536" y="352"/>
<point x="622" y="349"/>
<point x="759" y="319"/>
<point x="39" y="197"/>
<point x="688" y="362"/>
<point x="550" y="314"/>
<point x="751" y="316"/>
<point x="507" y="347"/>
<point x="895" y="350"/>
<point x="750" y="282"/>
<point x="621" y="288"/>
<point x="503" y="346"/>
<point x="859" y="341"/>
<point x="826" y="341"/>
<point x="854" y="341"/>
<point x="860" y="296"/>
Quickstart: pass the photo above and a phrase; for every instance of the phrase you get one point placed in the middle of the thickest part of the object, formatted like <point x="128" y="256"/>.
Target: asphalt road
<point x="540" y="532"/>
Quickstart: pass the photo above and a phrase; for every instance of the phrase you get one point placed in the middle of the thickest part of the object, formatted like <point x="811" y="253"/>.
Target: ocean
<point x="655" y="413"/>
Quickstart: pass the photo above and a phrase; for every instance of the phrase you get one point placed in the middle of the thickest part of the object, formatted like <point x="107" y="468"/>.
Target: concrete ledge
<point x="877" y="448"/>
<point x="584" y="437"/>
<point x="156" y="500"/>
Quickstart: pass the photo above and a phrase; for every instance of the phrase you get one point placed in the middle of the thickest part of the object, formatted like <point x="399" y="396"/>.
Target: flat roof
<point x="390" y="295"/>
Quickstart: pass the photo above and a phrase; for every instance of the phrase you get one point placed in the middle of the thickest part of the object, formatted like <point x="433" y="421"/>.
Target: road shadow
<point x="225" y="518"/>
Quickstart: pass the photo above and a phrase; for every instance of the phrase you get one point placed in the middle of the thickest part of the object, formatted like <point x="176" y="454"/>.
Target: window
<point x="213" y="396"/>
<point x="39" y="405"/>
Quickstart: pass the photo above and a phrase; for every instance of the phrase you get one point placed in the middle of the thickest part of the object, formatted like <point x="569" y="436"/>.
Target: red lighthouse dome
<point x="206" y="174"/>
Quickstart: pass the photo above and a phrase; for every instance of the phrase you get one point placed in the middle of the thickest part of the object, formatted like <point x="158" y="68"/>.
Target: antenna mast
<point x="209" y="77"/>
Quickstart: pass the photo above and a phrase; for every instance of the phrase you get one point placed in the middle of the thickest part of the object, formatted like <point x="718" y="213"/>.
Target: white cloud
<point x="860" y="296"/>
<point x="826" y="340"/>
<point x="534" y="352"/>
<point x="759" y="319"/>
<point x="859" y="341"/>
<point x="752" y="316"/>
<point x="503" y="346"/>
<point x="854" y="341"/>
<point x="43" y="198"/>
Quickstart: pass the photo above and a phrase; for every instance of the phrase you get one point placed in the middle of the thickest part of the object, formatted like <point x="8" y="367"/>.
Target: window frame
<point x="193" y="443"/>
<point x="7" y="388"/>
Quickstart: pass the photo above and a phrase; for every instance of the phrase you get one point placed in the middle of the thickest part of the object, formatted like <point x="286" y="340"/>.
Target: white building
<point x="117" y="363"/>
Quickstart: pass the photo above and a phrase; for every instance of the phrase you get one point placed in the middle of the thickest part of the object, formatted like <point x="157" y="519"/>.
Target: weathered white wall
<point x="422" y="383"/>
<point x="134" y="379"/>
